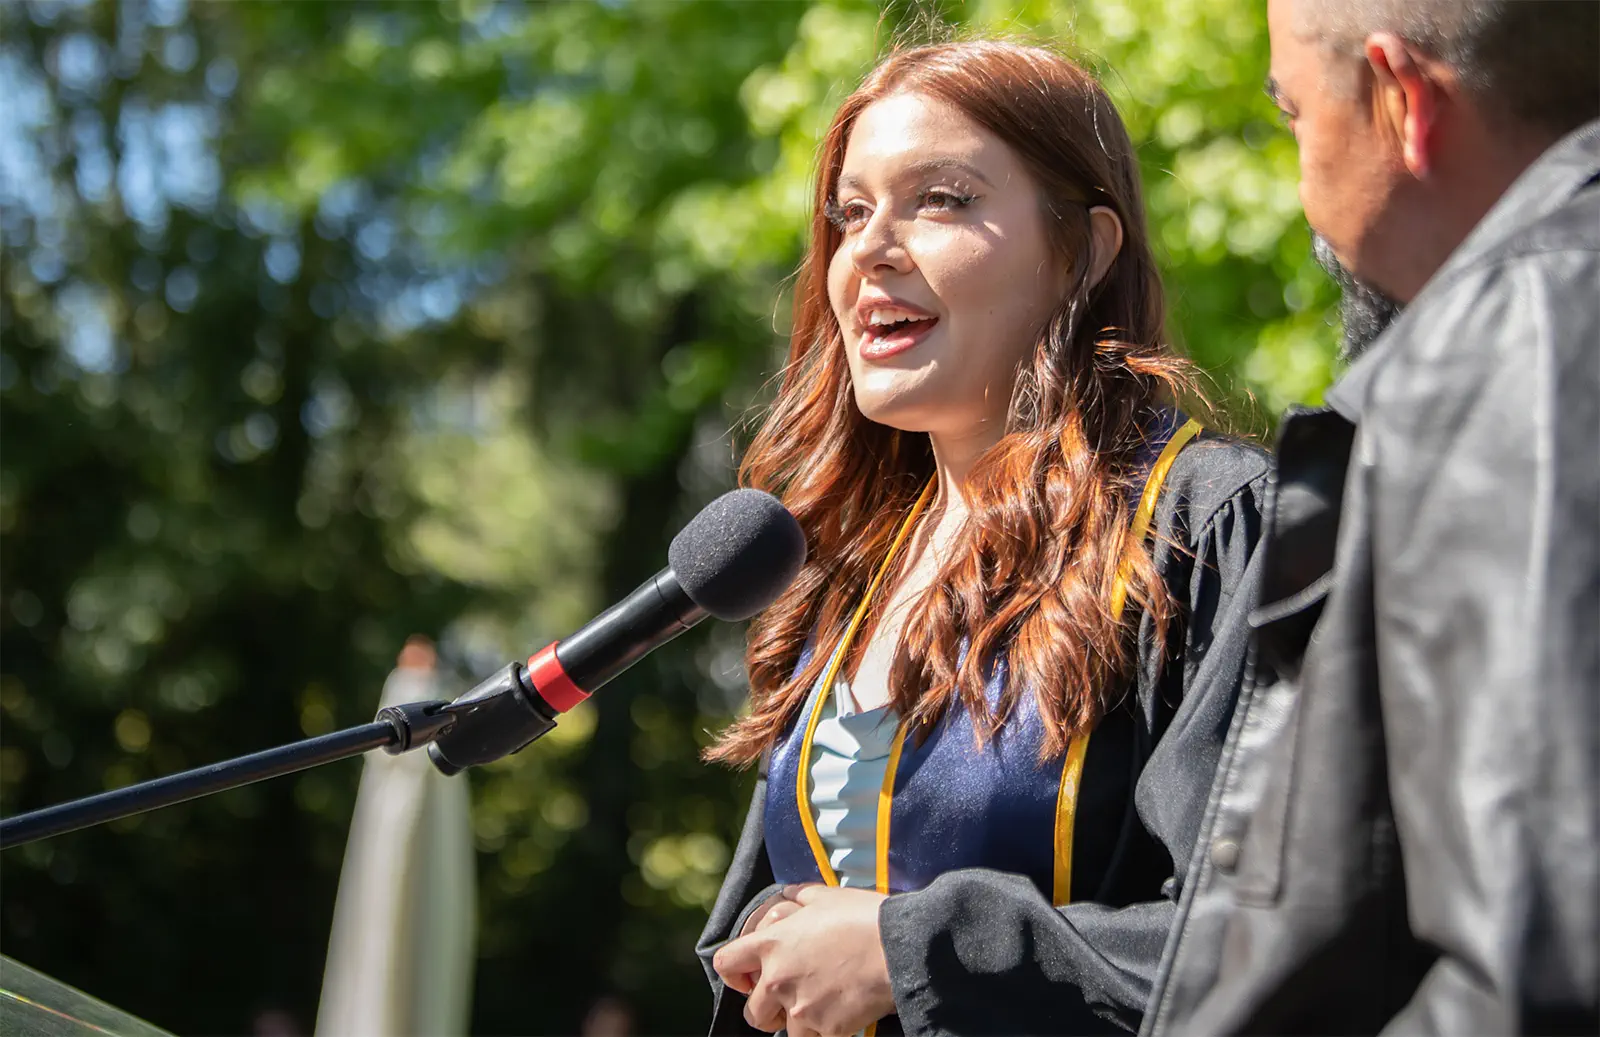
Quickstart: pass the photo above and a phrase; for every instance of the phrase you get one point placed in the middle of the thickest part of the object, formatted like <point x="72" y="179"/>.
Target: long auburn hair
<point x="1029" y="579"/>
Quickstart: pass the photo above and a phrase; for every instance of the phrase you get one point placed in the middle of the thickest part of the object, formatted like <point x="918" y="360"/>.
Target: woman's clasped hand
<point x="810" y="961"/>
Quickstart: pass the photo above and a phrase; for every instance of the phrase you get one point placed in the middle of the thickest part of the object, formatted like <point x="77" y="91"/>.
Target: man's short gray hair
<point x="1536" y="61"/>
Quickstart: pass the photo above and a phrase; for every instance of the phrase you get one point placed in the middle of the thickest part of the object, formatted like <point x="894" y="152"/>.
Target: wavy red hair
<point x="1029" y="579"/>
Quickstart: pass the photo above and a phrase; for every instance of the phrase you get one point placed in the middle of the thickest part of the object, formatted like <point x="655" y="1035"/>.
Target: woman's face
<point x="944" y="277"/>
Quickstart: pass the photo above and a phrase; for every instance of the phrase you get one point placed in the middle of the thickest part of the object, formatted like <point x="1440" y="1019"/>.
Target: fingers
<point x="783" y="900"/>
<point x="763" y="1011"/>
<point x="779" y="910"/>
<point x="753" y="923"/>
<point x="734" y="966"/>
<point x="809" y="893"/>
<point x="743" y="982"/>
<point x="737" y="960"/>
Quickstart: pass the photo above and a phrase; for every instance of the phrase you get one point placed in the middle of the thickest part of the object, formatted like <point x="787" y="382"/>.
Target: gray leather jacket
<point x="1404" y="830"/>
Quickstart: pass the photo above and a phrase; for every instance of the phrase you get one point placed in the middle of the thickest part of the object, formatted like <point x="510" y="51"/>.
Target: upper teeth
<point x="888" y="317"/>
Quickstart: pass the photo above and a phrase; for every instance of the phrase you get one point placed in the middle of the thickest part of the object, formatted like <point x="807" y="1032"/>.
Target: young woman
<point x="988" y="711"/>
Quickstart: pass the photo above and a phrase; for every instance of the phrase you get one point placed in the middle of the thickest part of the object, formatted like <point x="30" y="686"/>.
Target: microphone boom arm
<point x="498" y="717"/>
<point x="397" y="729"/>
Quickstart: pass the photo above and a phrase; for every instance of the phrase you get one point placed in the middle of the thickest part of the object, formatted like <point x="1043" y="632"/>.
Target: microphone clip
<point x="500" y="716"/>
<point x="415" y="724"/>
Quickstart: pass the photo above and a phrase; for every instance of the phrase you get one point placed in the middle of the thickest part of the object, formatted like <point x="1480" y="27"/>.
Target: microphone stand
<point x="498" y="717"/>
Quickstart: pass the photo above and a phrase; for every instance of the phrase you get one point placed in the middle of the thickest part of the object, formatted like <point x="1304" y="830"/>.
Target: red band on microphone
<point x="555" y="687"/>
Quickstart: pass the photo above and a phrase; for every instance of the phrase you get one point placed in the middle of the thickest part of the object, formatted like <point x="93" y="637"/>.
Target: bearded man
<point x="1404" y="831"/>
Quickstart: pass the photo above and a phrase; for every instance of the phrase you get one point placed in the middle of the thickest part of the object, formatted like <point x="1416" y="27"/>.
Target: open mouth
<point x="890" y="337"/>
<point x="907" y="324"/>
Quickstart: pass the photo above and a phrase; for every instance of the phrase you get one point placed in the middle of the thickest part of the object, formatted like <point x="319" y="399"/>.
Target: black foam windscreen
<point x="736" y="556"/>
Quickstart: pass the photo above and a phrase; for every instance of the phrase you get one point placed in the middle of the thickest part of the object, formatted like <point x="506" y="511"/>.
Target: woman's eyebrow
<point x="917" y="170"/>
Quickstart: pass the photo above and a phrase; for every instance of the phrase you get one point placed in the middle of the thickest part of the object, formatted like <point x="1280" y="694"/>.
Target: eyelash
<point x="838" y="215"/>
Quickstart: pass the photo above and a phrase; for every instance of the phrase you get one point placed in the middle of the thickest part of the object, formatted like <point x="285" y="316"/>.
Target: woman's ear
<point x="1105" y="241"/>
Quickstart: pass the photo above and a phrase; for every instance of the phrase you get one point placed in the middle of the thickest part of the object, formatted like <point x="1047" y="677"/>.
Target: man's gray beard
<point x="1364" y="311"/>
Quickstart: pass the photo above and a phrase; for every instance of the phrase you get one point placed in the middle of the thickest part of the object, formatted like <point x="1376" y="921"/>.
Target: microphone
<point x="731" y="561"/>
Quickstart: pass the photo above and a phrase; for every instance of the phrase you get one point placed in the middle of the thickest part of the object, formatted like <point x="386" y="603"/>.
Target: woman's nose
<point x="878" y="246"/>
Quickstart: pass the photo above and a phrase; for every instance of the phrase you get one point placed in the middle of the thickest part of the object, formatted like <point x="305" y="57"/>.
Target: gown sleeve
<point x="981" y="951"/>
<point x="747" y="885"/>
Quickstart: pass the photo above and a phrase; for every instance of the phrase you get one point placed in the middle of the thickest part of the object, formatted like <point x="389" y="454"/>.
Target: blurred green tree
<point x="325" y="324"/>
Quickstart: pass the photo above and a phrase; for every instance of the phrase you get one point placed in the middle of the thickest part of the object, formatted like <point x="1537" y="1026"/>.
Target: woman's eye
<point x="852" y="216"/>
<point x="944" y="201"/>
<point x="846" y="217"/>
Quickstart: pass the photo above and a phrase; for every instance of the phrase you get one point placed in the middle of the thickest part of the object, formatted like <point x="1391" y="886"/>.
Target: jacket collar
<point x="1543" y="187"/>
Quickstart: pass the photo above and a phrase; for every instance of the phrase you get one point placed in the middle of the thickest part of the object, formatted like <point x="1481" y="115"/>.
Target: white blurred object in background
<point x="401" y="952"/>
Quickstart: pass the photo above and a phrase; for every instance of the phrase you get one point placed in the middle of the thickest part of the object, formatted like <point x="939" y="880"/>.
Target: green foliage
<point x="325" y="324"/>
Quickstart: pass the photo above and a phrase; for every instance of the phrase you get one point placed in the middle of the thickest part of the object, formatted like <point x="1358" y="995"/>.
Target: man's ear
<point x="1406" y="98"/>
<point x="1105" y="241"/>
